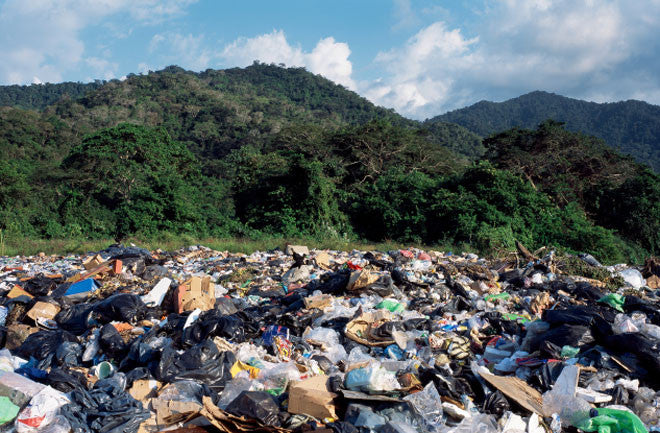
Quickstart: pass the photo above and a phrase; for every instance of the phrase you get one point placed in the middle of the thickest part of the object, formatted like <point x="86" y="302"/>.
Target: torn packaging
<point x="226" y="422"/>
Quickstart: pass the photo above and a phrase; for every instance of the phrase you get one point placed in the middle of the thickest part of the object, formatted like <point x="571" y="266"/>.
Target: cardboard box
<point x="311" y="397"/>
<point x="196" y="293"/>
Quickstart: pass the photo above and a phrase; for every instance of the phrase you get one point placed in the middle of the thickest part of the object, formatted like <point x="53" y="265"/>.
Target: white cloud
<point x="328" y="58"/>
<point x="42" y="37"/>
<point x="404" y="14"/>
<point x="267" y="48"/>
<point x="595" y="49"/>
<point x="187" y="51"/>
<point x="103" y="69"/>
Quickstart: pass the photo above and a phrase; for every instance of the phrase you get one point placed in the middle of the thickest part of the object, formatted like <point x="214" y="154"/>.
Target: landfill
<point x="299" y="339"/>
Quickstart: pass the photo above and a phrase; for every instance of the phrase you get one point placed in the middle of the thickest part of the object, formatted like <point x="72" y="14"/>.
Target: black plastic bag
<point x="565" y="335"/>
<point x="117" y="251"/>
<point x="587" y="292"/>
<point x="146" y="349"/>
<point x="65" y="380"/>
<point x="43" y="343"/>
<point x="123" y="307"/>
<point x="570" y="316"/>
<point x="258" y="405"/>
<point x="203" y="363"/>
<point x="547" y="375"/>
<point x="75" y="319"/>
<point x="342" y="427"/>
<point x="68" y="354"/>
<point x="332" y="282"/>
<point x="450" y="386"/>
<point x="137" y="373"/>
<point x="211" y="324"/>
<point x="107" y="408"/>
<point x="549" y="350"/>
<point x="39" y="285"/>
<point x="645" y="349"/>
<point x="633" y="303"/>
<point x="496" y="404"/>
<point x="111" y="342"/>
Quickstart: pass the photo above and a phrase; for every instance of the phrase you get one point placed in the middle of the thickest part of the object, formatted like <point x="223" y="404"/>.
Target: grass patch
<point x="15" y="246"/>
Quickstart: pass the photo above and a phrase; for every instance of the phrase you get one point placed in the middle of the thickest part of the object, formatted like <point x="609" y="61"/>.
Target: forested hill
<point x="632" y="127"/>
<point x="273" y="151"/>
<point x="215" y="111"/>
<point x="39" y="96"/>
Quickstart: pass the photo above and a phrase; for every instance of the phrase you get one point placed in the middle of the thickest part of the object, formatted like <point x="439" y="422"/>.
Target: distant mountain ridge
<point x="632" y="127"/>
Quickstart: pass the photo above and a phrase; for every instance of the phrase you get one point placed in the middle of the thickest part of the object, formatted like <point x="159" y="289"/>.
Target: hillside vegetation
<point x="266" y="152"/>
<point x="632" y="127"/>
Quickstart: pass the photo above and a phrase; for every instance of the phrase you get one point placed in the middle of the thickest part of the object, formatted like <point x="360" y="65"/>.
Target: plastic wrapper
<point x="428" y="406"/>
<point x="571" y="410"/>
<point x="233" y="389"/>
<point x="372" y="378"/>
<point x="330" y="339"/>
<point x="623" y="324"/>
<point x="183" y="391"/>
<point x="9" y="362"/>
<point x="480" y="423"/>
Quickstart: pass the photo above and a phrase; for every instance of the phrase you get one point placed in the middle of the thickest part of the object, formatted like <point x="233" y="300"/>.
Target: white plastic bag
<point x="41" y="411"/>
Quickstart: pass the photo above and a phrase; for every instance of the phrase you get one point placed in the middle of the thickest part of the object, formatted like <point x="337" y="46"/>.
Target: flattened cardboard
<point x="311" y="397"/>
<point x="17" y="294"/>
<point x="144" y="388"/>
<point x="169" y="412"/>
<point x="43" y="310"/>
<point x="228" y="423"/>
<point x="196" y="293"/>
<point x="322" y="260"/>
<point x="359" y="329"/>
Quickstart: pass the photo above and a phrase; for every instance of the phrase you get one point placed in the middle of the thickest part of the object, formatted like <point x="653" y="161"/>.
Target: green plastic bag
<point x="391" y="305"/>
<point x="517" y="317"/>
<point x="613" y="421"/>
<point x="569" y="351"/>
<point x="8" y="410"/>
<point x="503" y="295"/>
<point x="614" y="300"/>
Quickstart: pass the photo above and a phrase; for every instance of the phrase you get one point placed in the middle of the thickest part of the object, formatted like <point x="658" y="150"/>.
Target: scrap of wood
<point x="517" y="390"/>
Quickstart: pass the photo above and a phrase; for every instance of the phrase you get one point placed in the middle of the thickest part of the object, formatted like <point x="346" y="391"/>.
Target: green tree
<point x="132" y="179"/>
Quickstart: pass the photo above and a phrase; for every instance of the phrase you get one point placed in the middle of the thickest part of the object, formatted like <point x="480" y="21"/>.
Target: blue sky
<point x="420" y="57"/>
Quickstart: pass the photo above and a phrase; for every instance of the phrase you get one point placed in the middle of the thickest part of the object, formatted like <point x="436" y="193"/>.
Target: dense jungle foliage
<point x="272" y="151"/>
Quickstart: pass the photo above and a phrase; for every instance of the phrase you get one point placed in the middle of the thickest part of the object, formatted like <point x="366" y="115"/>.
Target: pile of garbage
<point x="405" y="341"/>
